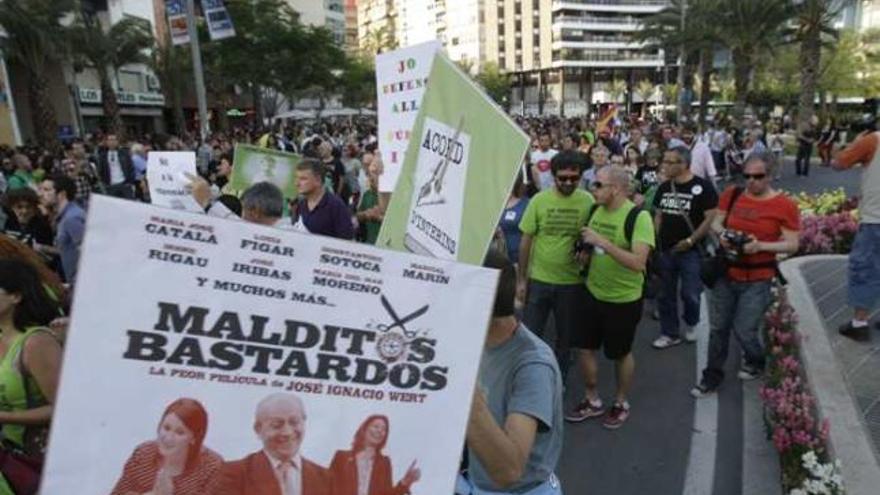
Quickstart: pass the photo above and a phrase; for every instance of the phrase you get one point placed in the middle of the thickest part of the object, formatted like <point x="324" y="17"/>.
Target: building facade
<point x="329" y="14"/>
<point x="564" y="53"/>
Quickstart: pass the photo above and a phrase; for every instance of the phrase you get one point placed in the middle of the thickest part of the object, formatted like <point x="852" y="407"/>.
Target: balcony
<point x="609" y="59"/>
<point x="596" y="23"/>
<point x="616" y="6"/>
<point x="599" y="45"/>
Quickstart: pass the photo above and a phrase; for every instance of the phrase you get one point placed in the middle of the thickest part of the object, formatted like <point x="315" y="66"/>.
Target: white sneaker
<point x="665" y="342"/>
<point x="690" y="335"/>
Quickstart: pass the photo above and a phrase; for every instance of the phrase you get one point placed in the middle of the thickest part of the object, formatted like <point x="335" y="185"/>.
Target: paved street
<point x="672" y="444"/>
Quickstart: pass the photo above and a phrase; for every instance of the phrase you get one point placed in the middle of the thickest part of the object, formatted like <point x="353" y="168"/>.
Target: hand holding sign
<point x="167" y="174"/>
<point x="199" y="188"/>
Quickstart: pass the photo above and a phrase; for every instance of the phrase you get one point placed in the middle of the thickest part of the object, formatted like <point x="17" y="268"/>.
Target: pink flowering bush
<point x="790" y="411"/>
<point x="829" y="229"/>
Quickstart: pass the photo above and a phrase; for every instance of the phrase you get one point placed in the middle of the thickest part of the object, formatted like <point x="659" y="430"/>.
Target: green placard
<point x="461" y="162"/>
<point x="252" y="164"/>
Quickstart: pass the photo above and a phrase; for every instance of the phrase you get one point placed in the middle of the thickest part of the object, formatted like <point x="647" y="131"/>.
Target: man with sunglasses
<point x="549" y="275"/>
<point x="685" y="206"/>
<point x="770" y="221"/>
<point x="612" y="308"/>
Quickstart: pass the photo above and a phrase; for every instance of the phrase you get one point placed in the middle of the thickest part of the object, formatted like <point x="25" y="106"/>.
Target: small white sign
<point x="167" y="175"/>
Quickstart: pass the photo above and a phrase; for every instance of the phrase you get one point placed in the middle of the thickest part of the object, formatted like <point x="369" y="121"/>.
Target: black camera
<point x="581" y="246"/>
<point x="737" y="241"/>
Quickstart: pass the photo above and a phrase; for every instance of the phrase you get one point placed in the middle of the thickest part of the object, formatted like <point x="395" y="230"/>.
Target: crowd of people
<point x="608" y="221"/>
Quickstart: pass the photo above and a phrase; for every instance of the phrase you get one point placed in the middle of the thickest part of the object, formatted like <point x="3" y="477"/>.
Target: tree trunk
<point x="257" y="96"/>
<point x="177" y="107"/>
<point x="833" y="108"/>
<point x="220" y="110"/>
<point x="45" y="121"/>
<point x="742" y="67"/>
<point x="810" y="58"/>
<point x="111" y="106"/>
<point x="706" y="84"/>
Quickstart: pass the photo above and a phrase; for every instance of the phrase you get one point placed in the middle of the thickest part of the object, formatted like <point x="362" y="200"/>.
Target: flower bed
<point x="829" y="222"/>
<point x="790" y="412"/>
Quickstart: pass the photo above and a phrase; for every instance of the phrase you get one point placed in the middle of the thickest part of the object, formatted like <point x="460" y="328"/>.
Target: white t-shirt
<point x="116" y="174"/>
<point x="541" y="161"/>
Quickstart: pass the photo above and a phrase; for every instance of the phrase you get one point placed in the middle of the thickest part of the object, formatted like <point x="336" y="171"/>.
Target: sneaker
<point x="859" y="334"/>
<point x="702" y="389"/>
<point x="585" y="410"/>
<point x="665" y="342"/>
<point x="616" y="416"/>
<point x="748" y="373"/>
<point x="690" y="335"/>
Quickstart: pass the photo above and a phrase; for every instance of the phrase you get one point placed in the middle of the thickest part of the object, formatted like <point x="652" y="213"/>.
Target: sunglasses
<point x="596" y="185"/>
<point x="567" y="179"/>
<point x="755" y="176"/>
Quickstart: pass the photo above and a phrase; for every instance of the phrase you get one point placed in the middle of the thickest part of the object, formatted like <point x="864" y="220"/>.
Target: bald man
<point x="279" y="468"/>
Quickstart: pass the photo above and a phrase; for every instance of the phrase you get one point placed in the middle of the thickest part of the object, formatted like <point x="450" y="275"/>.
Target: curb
<point x="848" y="439"/>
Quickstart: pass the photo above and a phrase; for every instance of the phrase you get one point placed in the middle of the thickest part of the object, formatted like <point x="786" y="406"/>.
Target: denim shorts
<point x="463" y="486"/>
<point x="864" y="267"/>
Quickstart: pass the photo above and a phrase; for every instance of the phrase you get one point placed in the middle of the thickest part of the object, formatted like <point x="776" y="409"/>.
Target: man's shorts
<point x="610" y="326"/>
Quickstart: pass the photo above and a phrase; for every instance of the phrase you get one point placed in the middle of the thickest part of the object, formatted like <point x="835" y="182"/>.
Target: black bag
<point x="713" y="262"/>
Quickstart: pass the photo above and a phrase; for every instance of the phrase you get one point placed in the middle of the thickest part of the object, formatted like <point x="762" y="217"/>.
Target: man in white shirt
<point x="115" y="169"/>
<point x="702" y="163"/>
<point x="540" y="160"/>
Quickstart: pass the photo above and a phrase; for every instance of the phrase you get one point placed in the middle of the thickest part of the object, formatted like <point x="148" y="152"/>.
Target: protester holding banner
<point x="320" y="211"/>
<point x="176" y="463"/>
<point x="514" y="436"/>
<point x="549" y="275"/>
<point x="365" y="470"/>
<point x="29" y="366"/>
<point x="618" y="240"/>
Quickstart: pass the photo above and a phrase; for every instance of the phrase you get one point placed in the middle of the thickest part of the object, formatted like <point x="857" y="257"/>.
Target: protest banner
<point x="252" y="164"/>
<point x="228" y="314"/>
<point x="401" y="78"/>
<point x="168" y="174"/>
<point x="459" y="169"/>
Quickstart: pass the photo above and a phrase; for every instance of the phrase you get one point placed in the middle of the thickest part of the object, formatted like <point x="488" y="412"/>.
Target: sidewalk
<point x="844" y="374"/>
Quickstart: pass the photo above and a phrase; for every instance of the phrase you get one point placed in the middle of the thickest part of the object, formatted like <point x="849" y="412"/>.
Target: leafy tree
<point x="126" y="42"/>
<point x="646" y="89"/>
<point x="616" y="90"/>
<point x="173" y="67"/>
<point x="34" y="39"/>
<point x="495" y="83"/>
<point x="749" y="28"/>
<point x="358" y="82"/>
<point x="815" y="21"/>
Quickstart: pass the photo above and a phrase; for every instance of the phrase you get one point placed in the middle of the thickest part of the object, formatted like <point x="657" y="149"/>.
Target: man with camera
<point x="864" y="263"/>
<point x="754" y="224"/>
<point x="618" y="238"/>
<point x="549" y="275"/>
<point x="685" y="206"/>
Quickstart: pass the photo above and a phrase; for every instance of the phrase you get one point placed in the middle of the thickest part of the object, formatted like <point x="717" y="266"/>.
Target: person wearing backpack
<point x="685" y="206"/>
<point x="616" y="243"/>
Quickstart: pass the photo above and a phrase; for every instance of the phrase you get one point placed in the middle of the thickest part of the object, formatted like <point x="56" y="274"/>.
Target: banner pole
<point x="204" y="127"/>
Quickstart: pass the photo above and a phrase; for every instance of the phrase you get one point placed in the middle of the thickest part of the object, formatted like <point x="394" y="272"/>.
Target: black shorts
<point x="611" y="326"/>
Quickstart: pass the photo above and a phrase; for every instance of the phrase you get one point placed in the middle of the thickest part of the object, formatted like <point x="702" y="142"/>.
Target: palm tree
<point x="35" y="39"/>
<point x="616" y="90"/>
<point x="815" y="18"/>
<point x="747" y="28"/>
<point x="124" y="43"/>
<point x="646" y="89"/>
<point x="171" y="65"/>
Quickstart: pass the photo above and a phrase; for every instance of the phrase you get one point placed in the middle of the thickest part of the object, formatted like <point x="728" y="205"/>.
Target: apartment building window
<point x="131" y="81"/>
<point x="517" y="8"/>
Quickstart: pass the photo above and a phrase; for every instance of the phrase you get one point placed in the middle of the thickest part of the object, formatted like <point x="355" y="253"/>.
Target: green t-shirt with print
<point x="608" y="280"/>
<point x="554" y="221"/>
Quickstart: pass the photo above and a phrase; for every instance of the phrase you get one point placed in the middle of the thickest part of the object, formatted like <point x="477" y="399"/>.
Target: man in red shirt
<point x="768" y="222"/>
<point x="864" y="263"/>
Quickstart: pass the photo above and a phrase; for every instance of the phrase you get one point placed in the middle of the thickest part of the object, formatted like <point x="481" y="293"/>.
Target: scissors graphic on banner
<point x="398" y="321"/>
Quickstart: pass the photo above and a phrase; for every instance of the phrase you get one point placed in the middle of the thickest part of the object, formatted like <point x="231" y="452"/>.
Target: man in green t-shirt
<point x="549" y="275"/>
<point x="613" y="306"/>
